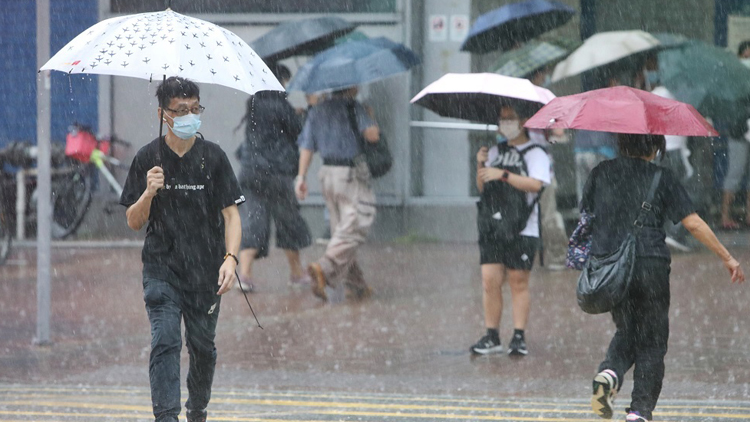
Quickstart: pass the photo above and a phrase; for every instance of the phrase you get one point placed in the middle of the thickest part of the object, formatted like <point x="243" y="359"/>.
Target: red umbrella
<point x="622" y="110"/>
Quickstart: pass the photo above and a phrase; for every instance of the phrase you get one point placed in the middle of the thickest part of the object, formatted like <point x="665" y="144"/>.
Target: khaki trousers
<point x="351" y="204"/>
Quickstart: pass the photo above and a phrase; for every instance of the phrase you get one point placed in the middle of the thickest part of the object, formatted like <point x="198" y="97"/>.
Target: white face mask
<point x="510" y="129"/>
<point x="746" y="62"/>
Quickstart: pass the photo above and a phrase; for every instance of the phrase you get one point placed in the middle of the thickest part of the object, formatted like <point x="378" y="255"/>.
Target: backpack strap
<point x="529" y="148"/>
<point x="351" y="114"/>
<point x="536" y="200"/>
<point x="523" y="153"/>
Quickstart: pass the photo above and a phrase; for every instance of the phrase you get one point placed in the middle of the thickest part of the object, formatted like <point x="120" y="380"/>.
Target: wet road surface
<point x="34" y="403"/>
<point x="403" y="355"/>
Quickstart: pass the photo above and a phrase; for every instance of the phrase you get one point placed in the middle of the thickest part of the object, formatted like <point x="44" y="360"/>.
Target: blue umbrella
<point x="353" y="63"/>
<point x="710" y="78"/>
<point x="507" y="26"/>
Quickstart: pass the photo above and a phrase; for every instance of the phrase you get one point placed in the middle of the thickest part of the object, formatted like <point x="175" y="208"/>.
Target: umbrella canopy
<point x="528" y="59"/>
<point x="165" y="44"/>
<point x="605" y="48"/>
<point x="479" y="96"/>
<point x="353" y="63"/>
<point x="713" y="80"/>
<point x="622" y="110"/>
<point x="669" y="40"/>
<point x="301" y="37"/>
<point x="507" y="26"/>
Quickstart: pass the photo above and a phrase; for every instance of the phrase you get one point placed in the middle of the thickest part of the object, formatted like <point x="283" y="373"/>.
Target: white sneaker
<point x="603" y="397"/>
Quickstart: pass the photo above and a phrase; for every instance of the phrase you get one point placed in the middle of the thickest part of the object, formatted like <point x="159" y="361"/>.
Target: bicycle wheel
<point x="6" y="237"/>
<point x="71" y="197"/>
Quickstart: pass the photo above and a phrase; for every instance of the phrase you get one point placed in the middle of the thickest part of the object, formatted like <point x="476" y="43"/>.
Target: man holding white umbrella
<point x="180" y="184"/>
<point x="184" y="188"/>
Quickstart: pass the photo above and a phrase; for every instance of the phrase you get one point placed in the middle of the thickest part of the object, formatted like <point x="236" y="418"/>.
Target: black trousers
<point x="642" y="322"/>
<point x="167" y="306"/>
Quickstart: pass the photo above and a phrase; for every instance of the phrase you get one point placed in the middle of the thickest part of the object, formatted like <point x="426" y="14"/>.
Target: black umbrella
<point x="301" y="38"/>
<point x="507" y="26"/>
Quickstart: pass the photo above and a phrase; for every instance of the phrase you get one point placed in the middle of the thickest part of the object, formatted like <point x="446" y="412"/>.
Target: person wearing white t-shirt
<point x="676" y="158"/>
<point x="738" y="153"/>
<point x="504" y="172"/>
<point x="554" y="237"/>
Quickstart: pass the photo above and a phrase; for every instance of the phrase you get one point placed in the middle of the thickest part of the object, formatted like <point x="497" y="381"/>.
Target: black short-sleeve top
<point x="185" y="235"/>
<point x="614" y="193"/>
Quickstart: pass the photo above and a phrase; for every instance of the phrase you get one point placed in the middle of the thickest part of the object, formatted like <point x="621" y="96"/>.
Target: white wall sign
<point x="459" y="27"/>
<point x="738" y="31"/>
<point x="438" y="28"/>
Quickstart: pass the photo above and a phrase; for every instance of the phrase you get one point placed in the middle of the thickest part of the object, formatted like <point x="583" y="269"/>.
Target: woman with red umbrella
<point x="614" y="195"/>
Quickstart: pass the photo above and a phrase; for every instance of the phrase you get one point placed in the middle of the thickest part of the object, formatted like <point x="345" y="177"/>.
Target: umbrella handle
<point x="161" y="111"/>
<point x="161" y="121"/>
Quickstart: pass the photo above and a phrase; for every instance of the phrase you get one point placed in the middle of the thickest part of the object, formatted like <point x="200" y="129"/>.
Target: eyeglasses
<point x="184" y="111"/>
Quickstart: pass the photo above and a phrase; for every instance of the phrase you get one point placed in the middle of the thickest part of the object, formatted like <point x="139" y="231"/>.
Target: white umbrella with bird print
<point x="159" y="45"/>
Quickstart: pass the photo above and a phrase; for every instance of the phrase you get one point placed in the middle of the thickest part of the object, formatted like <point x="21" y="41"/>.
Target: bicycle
<point x="71" y="193"/>
<point x="73" y="167"/>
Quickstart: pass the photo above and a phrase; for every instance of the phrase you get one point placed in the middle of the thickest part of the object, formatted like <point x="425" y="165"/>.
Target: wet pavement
<point x="402" y="355"/>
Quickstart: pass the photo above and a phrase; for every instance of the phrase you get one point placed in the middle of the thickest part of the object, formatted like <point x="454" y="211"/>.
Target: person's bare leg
<point x="726" y="205"/>
<point x="518" y="280"/>
<point x="492" y="294"/>
<point x="247" y="258"/>
<point x="295" y="265"/>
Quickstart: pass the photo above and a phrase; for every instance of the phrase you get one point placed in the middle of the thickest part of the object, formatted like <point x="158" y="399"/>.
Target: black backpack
<point x="503" y="211"/>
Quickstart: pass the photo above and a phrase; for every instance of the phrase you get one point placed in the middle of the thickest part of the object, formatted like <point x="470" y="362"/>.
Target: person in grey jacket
<point x="269" y="159"/>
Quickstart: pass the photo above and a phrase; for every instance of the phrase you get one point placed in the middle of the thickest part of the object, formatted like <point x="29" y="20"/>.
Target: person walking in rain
<point x="184" y="188"/>
<point x="510" y="178"/>
<point x="738" y="154"/>
<point x="269" y="158"/>
<point x="613" y="194"/>
<point x="676" y="157"/>
<point x="333" y="128"/>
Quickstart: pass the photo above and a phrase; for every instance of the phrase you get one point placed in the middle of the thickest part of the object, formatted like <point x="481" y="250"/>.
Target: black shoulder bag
<point x="376" y="154"/>
<point x="605" y="280"/>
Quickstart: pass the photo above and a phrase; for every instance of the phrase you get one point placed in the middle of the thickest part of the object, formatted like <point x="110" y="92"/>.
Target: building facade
<point x="429" y="193"/>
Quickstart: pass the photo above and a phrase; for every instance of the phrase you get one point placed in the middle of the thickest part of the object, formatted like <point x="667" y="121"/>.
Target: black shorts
<point x="516" y="254"/>
<point x="275" y="200"/>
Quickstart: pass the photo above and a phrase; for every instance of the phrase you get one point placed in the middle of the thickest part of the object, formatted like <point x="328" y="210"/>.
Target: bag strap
<point x="523" y="157"/>
<point x="646" y="205"/>
<point x="352" y="114"/>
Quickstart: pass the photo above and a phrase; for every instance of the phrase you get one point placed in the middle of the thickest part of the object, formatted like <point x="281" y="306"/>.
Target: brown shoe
<point x="318" y="280"/>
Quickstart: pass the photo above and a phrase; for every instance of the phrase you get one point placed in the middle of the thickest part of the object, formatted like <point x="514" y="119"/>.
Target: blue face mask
<point x="185" y="127"/>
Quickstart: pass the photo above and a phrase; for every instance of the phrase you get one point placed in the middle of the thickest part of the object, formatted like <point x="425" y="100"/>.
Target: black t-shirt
<point x="271" y="133"/>
<point x="185" y="235"/>
<point x="614" y="193"/>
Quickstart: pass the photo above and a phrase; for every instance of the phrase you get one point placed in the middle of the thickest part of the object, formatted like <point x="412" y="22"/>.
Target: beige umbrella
<point x="604" y="48"/>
